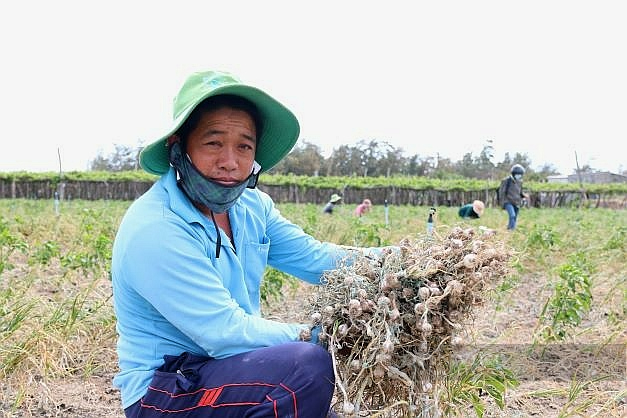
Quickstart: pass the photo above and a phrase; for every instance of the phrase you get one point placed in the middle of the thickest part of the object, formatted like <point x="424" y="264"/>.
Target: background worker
<point x="335" y="199"/>
<point x="363" y="208"/>
<point x="511" y="194"/>
<point x="472" y="210"/>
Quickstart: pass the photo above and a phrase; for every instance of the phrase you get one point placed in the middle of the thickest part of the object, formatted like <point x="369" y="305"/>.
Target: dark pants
<point x="288" y="380"/>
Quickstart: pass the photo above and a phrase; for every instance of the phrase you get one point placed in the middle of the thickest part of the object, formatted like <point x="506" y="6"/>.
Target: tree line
<point x="368" y="158"/>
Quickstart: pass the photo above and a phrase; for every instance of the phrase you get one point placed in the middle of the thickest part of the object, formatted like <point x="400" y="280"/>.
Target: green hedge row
<point x="417" y="183"/>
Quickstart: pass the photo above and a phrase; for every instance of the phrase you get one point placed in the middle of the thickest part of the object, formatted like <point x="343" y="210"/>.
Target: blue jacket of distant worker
<point x="209" y="306"/>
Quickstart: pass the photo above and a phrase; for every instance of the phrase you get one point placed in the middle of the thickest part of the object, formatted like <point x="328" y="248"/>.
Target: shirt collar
<point x="179" y="203"/>
<point x="183" y="207"/>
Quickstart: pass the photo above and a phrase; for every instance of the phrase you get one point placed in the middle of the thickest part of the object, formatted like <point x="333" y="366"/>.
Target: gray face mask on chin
<point x="201" y="189"/>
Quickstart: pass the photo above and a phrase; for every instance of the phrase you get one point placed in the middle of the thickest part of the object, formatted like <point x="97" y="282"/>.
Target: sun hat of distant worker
<point x="478" y="206"/>
<point x="279" y="132"/>
<point x="335" y="198"/>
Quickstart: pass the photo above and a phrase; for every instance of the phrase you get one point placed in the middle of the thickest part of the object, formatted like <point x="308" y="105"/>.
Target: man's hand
<point x="312" y="335"/>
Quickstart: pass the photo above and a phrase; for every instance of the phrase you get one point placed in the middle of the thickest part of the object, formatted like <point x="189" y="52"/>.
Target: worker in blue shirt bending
<point x="188" y="260"/>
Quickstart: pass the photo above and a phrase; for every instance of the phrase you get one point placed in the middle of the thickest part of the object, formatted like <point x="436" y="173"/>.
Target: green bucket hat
<point x="280" y="126"/>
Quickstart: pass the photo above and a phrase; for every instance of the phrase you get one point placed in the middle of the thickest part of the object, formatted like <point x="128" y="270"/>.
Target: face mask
<point x="201" y="189"/>
<point x="517" y="177"/>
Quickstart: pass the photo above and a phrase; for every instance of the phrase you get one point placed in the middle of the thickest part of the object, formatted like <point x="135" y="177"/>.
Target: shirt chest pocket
<point x="254" y="265"/>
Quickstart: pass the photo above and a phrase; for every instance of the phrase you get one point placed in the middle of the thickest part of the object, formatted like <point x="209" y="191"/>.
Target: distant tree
<point x="380" y="158"/>
<point x="305" y="159"/>
<point x="444" y="168"/>
<point x="393" y="162"/>
<point x="346" y="161"/>
<point x="371" y="156"/>
<point x="414" y="166"/>
<point x="123" y="158"/>
<point x="542" y="174"/>
<point x="466" y="167"/>
<point x="484" y="165"/>
<point x="503" y="168"/>
<point x="522" y="159"/>
<point x="336" y="164"/>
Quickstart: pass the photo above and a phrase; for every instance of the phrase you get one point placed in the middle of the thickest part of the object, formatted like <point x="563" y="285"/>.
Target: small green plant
<point x="570" y="301"/>
<point x="272" y="285"/>
<point x="13" y="316"/>
<point x="367" y="234"/>
<point x="617" y="240"/>
<point x="467" y="383"/>
<point x="575" y="405"/>
<point x="103" y="246"/>
<point x="542" y="236"/>
<point x="504" y="289"/>
<point x="45" y="252"/>
<point x="8" y="244"/>
<point x="79" y="260"/>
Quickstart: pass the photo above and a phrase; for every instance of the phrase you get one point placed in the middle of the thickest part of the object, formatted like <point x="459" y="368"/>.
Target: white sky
<point x="546" y="78"/>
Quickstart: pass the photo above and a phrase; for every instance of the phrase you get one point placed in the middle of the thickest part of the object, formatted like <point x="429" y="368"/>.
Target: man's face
<point x="223" y="145"/>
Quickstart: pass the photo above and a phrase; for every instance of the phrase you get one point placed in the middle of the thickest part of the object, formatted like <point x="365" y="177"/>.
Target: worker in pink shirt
<point x="363" y="207"/>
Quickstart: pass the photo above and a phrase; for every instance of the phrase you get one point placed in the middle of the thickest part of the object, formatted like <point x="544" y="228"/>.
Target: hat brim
<point x="478" y="209"/>
<point x="280" y="130"/>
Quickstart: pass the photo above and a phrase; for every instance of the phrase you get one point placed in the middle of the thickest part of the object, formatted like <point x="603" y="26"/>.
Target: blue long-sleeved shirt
<point x="171" y="294"/>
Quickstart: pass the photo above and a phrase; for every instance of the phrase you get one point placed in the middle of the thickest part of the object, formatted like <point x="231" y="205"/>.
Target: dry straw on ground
<point x="391" y="323"/>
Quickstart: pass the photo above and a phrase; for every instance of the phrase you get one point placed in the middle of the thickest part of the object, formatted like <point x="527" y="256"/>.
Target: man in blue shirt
<point x="188" y="261"/>
<point x="328" y="208"/>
